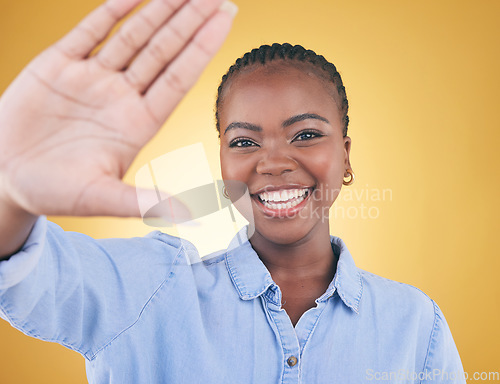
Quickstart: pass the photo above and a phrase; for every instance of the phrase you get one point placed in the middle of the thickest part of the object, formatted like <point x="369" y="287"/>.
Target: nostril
<point x="276" y="166"/>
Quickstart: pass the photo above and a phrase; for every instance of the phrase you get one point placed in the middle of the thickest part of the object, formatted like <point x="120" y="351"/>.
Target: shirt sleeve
<point x="442" y="363"/>
<point x="80" y="292"/>
<point x="14" y="270"/>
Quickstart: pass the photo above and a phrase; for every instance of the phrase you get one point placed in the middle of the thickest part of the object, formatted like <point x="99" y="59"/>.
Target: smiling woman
<point x="283" y="139"/>
<point x="288" y="304"/>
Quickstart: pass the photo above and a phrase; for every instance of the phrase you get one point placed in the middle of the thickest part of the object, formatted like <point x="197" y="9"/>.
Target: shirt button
<point x="292" y="360"/>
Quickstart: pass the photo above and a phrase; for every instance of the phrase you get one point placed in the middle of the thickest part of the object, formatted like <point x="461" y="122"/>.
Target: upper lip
<point x="271" y="188"/>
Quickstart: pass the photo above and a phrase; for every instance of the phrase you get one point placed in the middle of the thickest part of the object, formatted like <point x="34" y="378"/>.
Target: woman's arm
<point x="75" y="118"/>
<point x="68" y="288"/>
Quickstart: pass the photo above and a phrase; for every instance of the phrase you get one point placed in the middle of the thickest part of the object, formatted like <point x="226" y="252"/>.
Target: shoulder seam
<point x="431" y="339"/>
<point x="161" y="236"/>
<point x="143" y="309"/>
<point x="363" y="272"/>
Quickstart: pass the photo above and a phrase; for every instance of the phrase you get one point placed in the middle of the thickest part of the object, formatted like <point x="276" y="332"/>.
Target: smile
<point x="283" y="199"/>
<point x="283" y="202"/>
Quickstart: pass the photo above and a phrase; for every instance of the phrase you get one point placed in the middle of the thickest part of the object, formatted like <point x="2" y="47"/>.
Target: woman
<point x="287" y="305"/>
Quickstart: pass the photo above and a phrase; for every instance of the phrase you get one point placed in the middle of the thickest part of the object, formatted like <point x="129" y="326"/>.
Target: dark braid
<point x="286" y="52"/>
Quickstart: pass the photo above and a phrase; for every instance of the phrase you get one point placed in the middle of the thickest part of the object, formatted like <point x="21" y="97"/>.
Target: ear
<point x="347" y="151"/>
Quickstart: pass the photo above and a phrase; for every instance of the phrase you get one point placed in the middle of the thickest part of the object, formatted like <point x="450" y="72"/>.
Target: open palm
<point x="73" y="121"/>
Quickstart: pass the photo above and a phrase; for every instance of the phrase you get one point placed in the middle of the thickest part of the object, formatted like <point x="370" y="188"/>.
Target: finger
<point x="182" y="74"/>
<point x="94" y="28"/>
<point x="169" y="41"/>
<point x="136" y="32"/>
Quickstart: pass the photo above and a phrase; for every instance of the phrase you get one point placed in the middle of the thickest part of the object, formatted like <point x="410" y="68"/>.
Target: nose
<point x="275" y="162"/>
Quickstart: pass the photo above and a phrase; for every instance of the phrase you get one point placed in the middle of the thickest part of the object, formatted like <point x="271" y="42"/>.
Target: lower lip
<point x="284" y="212"/>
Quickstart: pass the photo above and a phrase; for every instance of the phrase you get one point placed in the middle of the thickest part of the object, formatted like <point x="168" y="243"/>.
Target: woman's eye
<point x="307" y="135"/>
<point x="241" y="143"/>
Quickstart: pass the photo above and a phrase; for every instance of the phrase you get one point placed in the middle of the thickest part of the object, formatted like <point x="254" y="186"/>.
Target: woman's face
<point x="281" y="135"/>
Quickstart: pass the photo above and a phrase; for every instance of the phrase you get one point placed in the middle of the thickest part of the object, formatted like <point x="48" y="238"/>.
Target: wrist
<point x="15" y="227"/>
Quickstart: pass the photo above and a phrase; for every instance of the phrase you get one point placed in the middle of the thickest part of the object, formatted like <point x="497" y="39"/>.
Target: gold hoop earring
<point x="351" y="180"/>
<point x="224" y="192"/>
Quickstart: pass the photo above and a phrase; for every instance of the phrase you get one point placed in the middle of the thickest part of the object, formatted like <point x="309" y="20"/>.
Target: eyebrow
<point x="303" y="116"/>
<point x="239" y="124"/>
<point x="286" y="123"/>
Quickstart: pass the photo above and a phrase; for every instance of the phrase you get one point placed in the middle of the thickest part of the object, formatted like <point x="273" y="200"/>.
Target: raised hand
<point x="75" y="118"/>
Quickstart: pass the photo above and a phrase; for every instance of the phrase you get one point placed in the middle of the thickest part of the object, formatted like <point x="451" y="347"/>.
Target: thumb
<point x="108" y="197"/>
<point x="112" y="197"/>
<point x="160" y="209"/>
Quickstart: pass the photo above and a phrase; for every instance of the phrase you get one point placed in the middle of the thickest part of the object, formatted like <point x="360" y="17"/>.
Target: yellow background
<point x="422" y="80"/>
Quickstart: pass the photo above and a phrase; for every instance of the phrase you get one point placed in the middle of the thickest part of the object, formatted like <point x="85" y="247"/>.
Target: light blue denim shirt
<point x="141" y="311"/>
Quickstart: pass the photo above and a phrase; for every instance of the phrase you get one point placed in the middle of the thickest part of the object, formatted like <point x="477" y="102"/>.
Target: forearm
<point x="15" y="227"/>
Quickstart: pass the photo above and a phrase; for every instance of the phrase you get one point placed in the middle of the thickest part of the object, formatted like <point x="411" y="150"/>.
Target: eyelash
<point x="237" y="143"/>
<point x="310" y="132"/>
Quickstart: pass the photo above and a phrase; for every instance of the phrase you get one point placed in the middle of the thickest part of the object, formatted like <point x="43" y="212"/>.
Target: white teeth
<point x="289" y="204"/>
<point x="282" y="196"/>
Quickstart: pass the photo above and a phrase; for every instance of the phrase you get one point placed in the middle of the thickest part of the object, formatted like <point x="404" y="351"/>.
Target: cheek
<point x="224" y="160"/>
<point x="330" y="165"/>
<point x="230" y="167"/>
<point x="236" y="167"/>
<point x="329" y="172"/>
<point x="236" y="177"/>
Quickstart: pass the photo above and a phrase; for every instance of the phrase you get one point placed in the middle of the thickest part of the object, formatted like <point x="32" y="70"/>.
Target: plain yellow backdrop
<point x="422" y="80"/>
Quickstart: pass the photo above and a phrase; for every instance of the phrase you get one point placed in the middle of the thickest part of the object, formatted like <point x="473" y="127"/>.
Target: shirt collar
<point x="347" y="280"/>
<point x="251" y="277"/>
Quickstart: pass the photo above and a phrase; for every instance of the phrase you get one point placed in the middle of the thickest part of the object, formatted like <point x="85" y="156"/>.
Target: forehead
<point x="279" y="73"/>
<point x="279" y="85"/>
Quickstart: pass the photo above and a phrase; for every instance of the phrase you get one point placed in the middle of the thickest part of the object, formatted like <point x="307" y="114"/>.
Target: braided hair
<point x="292" y="54"/>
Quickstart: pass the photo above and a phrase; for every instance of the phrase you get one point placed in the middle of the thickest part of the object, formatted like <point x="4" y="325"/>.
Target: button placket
<point x="289" y="341"/>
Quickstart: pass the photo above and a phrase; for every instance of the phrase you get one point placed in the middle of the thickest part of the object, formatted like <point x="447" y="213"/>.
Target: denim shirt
<point x="146" y="310"/>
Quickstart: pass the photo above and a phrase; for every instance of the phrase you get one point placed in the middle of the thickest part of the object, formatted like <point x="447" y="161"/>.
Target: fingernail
<point x="229" y="7"/>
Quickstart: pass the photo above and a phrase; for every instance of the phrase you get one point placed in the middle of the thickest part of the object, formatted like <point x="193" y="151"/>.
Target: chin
<point x="284" y="233"/>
